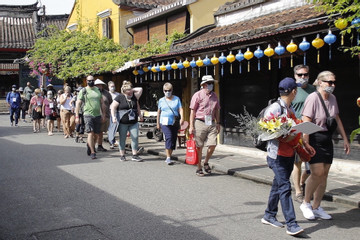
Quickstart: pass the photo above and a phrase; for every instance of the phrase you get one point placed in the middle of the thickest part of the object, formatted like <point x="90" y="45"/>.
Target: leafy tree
<point x="70" y="55"/>
<point x="339" y="11"/>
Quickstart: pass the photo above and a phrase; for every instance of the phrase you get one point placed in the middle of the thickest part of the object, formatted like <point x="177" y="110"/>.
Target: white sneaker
<point x="168" y="161"/>
<point x="320" y="213"/>
<point x="307" y="211"/>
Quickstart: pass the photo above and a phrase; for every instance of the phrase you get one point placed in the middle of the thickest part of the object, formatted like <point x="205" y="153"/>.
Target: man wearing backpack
<point x="280" y="158"/>
<point x="93" y="117"/>
<point x="13" y="100"/>
<point x="301" y="74"/>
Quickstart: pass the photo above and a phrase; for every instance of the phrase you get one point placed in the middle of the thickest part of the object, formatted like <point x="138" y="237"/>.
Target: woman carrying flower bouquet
<point x="278" y="119"/>
<point x="318" y="107"/>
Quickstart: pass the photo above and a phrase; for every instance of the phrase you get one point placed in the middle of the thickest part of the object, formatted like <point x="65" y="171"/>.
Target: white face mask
<point x="302" y="81"/>
<point x="210" y="87"/>
<point x="13" y="89"/>
<point x="112" y="89"/>
<point x="329" y="89"/>
<point x="167" y="94"/>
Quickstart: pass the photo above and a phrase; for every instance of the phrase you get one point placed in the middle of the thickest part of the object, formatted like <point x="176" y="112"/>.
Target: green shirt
<point x="92" y="100"/>
<point x="301" y="95"/>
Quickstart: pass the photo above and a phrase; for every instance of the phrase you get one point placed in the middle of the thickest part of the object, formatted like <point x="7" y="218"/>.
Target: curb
<point x="221" y="169"/>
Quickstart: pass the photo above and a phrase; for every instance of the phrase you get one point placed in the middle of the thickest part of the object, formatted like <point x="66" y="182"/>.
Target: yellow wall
<point x="202" y="13"/>
<point x="85" y="13"/>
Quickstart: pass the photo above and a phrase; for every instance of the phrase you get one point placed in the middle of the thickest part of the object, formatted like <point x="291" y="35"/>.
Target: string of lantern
<point x="269" y="52"/>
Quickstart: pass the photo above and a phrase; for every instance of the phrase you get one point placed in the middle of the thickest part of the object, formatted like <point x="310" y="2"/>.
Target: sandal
<point x="199" y="173"/>
<point x="207" y="168"/>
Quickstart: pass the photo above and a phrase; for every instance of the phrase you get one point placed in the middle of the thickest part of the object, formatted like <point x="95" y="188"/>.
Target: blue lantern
<point x="258" y="54"/>
<point x="222" y="60"/>
<point x="150" y="72"/>
<point x="279" y="50"/>
<point x="239" y="57"/>
<point x="304" y="46"/>
<point x="168" y="68"/>
<point x="206" y="62"/>
<point x="356" y="22"/>
<point x="158" y="70"/>
<point x="330" y="39"/>
<point x="193" y="65"/>
<point x="180" y="66"/>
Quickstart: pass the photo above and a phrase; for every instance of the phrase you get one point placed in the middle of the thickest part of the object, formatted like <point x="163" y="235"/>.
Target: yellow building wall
<point x="202" y="13"/>
<point x="85" y="13"/>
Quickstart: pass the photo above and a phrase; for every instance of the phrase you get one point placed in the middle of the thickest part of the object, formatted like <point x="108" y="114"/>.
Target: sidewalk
<point x="343" y="184"/>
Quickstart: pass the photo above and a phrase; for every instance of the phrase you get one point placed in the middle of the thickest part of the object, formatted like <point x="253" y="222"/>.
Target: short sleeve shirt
<point x="301" y="95"/>
<point x="125" y="105"/>
<point x="167" y="116"/>
<point x="314" y="109"/>
<point x="204" y="104"/>
<point x="49" y="106"/>
<point x="36" y="101"/>
<point x="92" y="101"/>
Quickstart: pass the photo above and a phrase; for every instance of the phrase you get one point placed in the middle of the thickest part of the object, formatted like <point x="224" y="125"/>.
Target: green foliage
<point x="346" y="9"/>
<point x="71" y="55"/>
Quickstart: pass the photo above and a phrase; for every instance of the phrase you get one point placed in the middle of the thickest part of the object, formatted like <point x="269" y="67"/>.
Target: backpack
<point x="258" y="143"/>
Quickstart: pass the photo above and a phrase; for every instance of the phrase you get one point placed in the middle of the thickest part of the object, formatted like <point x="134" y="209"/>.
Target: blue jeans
<point x="170" y="133"/>
<point x="134" y="134"/>
<point x="281" y="189"/>
<point x="15" y="111"/>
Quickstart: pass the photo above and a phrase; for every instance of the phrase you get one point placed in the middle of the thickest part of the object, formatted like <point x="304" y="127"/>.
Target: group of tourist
<point x="94" y="110"/>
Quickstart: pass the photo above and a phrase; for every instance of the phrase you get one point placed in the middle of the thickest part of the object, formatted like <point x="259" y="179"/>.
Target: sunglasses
<point x="302" y="74"/>
<point x="330" y="82"/>
<point x="167" y="90"/>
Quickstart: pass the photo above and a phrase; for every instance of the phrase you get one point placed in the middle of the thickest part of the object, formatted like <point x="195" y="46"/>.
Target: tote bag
<point x="191" y="153"/>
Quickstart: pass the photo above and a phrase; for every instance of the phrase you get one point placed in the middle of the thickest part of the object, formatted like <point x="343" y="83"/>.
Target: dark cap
<point x="13" y="86"/>
<point x="287" y="85"/>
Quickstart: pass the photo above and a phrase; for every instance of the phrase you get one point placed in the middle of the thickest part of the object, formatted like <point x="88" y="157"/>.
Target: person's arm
<point x="43" y="109"/>
<point x="192" y="121"/>
<point x="8" y="99"/>
<point x="217" y="119"/>
<point x="305" y="138"/>
<point x="139" y="112"/>
<point x="103" y="109"/>
<point x="63" y="99"/>
<point x="114" y="105"/>
<point x="341" y="130"/>
<point x="138" y="92"/>
<point x="77" y="110"/>
<point x="181" y="112"/>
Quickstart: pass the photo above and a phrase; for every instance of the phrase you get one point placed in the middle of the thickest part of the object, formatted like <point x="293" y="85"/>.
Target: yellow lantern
<point x="135" y="72"/>
<point x="291" y="48"/>
<point x="269" y="52"/>
<point x="230" y="58"/>
<point x="214" y="60"/>
<point x="163" y="67"/>
<point x="174" y="65"/>
<point x="341" y="23"/>
<point x="199" y="62"/>
<point x="248" y="55"/>
<point x="145" y="69"/>
<point x="186" y="64"/>
<point x="153" y="69"/>
<point x="318" y="43"/>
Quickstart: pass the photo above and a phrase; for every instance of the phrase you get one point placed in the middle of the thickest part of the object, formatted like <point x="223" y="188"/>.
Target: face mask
<point x="13" y="89"/>
<point x="49" y="96"/>
<point x="112" y="89"/>
<point x="91" y="83"/>
<point x="167" y="94"/>
<point x="302" y="82"/>
<point x="210" y="87"/>
<point x="39" y="95"/>
<point x="329" y="89"/>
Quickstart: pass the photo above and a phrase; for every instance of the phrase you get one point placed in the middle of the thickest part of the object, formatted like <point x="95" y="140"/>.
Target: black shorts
<point x="92" y="124"/>
<point x="323" y="145"/>
<point x="50" y="117"/>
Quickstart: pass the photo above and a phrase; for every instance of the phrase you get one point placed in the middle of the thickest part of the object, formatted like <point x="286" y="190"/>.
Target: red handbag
<point x="191" y="153"/>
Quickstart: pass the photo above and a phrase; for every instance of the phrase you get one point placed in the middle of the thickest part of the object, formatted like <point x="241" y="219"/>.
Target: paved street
<point x="50" y="189"/>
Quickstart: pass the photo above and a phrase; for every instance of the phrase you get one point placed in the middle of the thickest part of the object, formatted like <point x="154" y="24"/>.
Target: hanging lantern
<point x="248" y="55"/>
<point x="330" y="39"/>
<point x="206" y="62"/>
<point x="148" y="70"/>
<point x="145" y="69"/>
<point x="269" y="52"/>
<point x="279" y="50"/>
<point x="158" y="70"/>
<point x="193" y="65"/>
<point x="291" y="48"/>
<point x="239" y="56"/>
<point x="186" y="64"/>
<point x="141" y="72"/>
<point x="341" y="24"/>
<point x="230" y="58"/>
<point x="318" y="43"/>
<point x="304" y="46"/>
<point x="214" y="60"/>
<point x="222" y="60"/>
<point x="168" y="68"/>
<point x="199" y="63"/>
<point x="180" y="66"/>
<point x="174" y="66"/>
<point x="135" y="72"/>
<point x="259" y="54"/>
<point x="356" y="22"/>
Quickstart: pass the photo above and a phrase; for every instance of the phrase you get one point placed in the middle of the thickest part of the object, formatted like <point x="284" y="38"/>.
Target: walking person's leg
<point x="134" y="135"/>
<point x="12" y="111"/>
<point x="296" y="174"/>
<point x="123" y="128"/>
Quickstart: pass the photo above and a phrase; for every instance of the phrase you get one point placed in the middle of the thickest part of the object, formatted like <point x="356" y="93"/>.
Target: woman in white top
<point x="66" y="112"/>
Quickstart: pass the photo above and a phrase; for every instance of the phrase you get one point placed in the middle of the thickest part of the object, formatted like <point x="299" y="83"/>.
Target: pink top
<point x="37" y="101"/>
<point x="48" y="110"/>
<point x="314" y="109"/>
<point x="204" y="104"/>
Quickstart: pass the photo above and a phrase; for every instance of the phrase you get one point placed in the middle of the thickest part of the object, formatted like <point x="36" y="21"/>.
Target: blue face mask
<point x="210" y="87"/>
<point x="39" y="94"/>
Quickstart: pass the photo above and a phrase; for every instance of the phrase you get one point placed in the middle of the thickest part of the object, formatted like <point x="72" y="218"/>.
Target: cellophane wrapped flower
<point x="274" y="126"/>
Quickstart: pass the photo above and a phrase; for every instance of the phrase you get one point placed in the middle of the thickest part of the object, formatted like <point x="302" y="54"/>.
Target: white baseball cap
<point x="99" y="82"/>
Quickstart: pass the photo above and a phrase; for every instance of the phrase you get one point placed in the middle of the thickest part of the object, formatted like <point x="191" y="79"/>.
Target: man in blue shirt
<point x="13" y="100"/>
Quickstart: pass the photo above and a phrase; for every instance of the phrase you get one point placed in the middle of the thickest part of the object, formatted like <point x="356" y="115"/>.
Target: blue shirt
<point x="166" y="115"/>
<point x="14" y="99"/>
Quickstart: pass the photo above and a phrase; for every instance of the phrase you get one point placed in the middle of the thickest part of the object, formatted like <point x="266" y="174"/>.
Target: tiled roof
<point x="143" y="4"/>
<point x="16" y="32"/>
<point x="271" y="24"/>
<point x="57" y="20"/>
<point x="18" y="10"/>
<point x="236" y="5"/>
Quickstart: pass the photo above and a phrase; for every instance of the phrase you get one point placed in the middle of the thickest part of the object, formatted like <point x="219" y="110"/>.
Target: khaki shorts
<point x="105" y="125"/>
<point x="204" y="133"/>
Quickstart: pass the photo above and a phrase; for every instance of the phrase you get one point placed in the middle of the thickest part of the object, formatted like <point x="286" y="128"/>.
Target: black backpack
<point x="259" y="144"/>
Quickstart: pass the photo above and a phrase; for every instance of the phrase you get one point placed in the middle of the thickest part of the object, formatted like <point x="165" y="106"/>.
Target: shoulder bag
<point x="176" y="118"/>
<point x="331" y="123"/>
